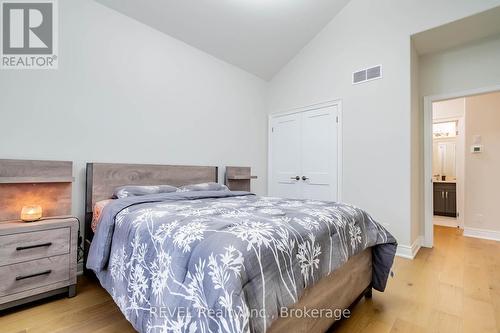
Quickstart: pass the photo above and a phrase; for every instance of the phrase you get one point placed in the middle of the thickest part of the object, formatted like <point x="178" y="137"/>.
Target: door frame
<point x="428" y="183"/>
<point x="317" y="106"/>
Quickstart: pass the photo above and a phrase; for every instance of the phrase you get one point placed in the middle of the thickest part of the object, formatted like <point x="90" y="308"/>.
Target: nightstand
<point x="37" y="259"/>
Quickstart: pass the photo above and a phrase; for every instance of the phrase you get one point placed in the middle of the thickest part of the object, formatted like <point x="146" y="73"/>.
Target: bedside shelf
<point x="238" y="178"/>
<point x="30" y="182"/>
<point x="35" y="180"/>
<point x="242" y="177"/>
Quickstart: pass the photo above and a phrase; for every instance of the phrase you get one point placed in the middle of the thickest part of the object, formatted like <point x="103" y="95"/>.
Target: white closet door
<point x="285" y="156"/>
<point x="319" y="149"/>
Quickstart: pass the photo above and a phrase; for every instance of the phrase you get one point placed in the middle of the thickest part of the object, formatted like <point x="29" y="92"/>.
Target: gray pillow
<point x="203" y="187"/>
<point x="138" y="190"/>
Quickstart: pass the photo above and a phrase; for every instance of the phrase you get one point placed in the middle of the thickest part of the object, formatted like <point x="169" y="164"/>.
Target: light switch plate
<point x="476" y="149"/>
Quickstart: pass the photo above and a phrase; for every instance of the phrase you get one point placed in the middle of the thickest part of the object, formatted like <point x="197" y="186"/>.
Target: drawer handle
<point x="22" y="277"/>
<point x="20" y="248"/>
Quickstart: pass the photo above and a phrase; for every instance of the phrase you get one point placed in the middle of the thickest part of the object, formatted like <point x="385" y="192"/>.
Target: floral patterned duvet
<point x="220" y="261"/>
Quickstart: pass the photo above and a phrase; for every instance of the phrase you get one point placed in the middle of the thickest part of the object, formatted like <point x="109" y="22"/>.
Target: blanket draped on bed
<point x="223" y="261"/>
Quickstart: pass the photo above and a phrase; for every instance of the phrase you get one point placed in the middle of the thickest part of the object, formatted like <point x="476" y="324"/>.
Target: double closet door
<point x="304" y="155"/>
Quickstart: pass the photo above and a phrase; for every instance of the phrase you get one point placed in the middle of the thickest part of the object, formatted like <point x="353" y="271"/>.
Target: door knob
<point x="295" y="178"/>
<point x="304" y="178"/>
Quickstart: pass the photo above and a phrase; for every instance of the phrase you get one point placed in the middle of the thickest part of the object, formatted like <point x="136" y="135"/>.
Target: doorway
<point x="458" y="167"/>
<point x="448" y="177"/>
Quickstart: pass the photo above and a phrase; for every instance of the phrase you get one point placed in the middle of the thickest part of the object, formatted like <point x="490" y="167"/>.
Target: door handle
<point x="446" y="194"/>
<point x="304" y="178"/>
<point x="21" y="248"/>
<point x="22" y="277"/>
<point x="295" y="178"/>
<point x="442" y="194"/>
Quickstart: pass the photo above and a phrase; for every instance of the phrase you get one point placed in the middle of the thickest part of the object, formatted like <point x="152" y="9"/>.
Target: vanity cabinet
<point x="445" y="199"/>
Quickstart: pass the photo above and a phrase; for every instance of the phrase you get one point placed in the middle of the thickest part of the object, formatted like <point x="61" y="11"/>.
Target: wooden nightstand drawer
<point x="33" y="274"/>
<point x="20" y="247"/>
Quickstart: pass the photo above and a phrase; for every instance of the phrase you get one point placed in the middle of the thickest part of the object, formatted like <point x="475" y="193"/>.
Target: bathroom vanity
<point x="445" y="198"/>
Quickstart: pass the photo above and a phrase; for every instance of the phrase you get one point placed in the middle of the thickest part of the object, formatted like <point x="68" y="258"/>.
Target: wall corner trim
<point x="482" y="233"/>
<point x="409" y="252"/>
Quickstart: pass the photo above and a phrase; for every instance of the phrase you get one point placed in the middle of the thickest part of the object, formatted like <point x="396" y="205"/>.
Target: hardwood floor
<point x="454" y="287"/>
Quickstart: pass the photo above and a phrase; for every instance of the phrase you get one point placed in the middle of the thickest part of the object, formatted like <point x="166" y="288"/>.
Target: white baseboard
<point x="482" y="233"/>
<point x="409" y="252"/>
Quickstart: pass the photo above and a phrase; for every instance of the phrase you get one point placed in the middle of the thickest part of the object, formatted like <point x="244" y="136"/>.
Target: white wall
<point x="482" y="176"/>
<point x="452" y="108"/>
<point x="127" y="93"/>
<point x="377" y="115"/>
<point x="467" y="67"/>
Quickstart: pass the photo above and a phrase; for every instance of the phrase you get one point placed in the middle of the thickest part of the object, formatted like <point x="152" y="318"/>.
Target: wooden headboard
<point x="103" y="178"/>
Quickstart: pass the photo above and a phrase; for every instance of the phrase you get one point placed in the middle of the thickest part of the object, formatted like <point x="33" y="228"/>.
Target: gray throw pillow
<point x="203" y="187"/>
<point x="138" y="190"/>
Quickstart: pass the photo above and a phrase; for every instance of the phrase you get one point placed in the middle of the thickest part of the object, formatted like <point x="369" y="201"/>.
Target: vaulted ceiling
<point x="259" y="36"/>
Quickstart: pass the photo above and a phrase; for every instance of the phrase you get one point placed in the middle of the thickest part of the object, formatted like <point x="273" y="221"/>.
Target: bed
<point x="225" y="261"/>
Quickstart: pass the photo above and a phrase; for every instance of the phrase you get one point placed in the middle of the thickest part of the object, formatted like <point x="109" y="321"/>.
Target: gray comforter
<point x="225" y="261"/>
